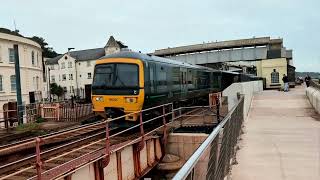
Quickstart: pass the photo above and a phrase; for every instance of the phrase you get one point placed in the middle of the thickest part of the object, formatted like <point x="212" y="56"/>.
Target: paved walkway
<point x="281" y="140"/>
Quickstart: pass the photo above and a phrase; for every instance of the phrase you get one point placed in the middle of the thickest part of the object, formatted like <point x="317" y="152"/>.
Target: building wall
<point x="267" y="67"/>
<point x="31" y="73"/>
<point x="80" y="71"/>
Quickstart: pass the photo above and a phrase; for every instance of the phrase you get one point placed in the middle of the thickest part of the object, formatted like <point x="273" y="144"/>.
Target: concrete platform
<point x="281" y="139"/>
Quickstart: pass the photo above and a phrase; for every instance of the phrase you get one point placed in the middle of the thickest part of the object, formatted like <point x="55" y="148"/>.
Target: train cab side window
<point x="151" y="78"/>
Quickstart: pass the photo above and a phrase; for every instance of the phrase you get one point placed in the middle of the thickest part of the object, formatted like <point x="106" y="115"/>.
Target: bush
<point x="39" y="119"/>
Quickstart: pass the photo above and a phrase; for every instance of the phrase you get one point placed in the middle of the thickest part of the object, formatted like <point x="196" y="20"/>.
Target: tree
<point x="47" y="51"/>
<point x="56" y="90"/>
<point x="8" y="31"/>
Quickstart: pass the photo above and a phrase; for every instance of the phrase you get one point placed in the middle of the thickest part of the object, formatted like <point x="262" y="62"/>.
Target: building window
<point x="65" y="89"/>
<point x="71" y="90"/>
<point x="89" y="75"/>
<point x="88" y="63"/>
<point x="32" y="58"/>
<point x="37" y="83"/>
<point x="13" y="82"/>
<point x="63" y="65"/>
<point x="38" y="60"/>
<point x="11" y="55"/>
<point x="69" y="64"/>
<point x="34" y="82"/>
<point x="53" y="79"/>
<point x="70" y="76"/>
<point x="0" y="55"/>
<point x="275" y="76"/>
<point x="1" y="86"/>
<point x="64" y="77"/>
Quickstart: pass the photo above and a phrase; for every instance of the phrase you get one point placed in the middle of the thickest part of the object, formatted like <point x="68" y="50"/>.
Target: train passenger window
<point x="162" y="77"/>
<point x="182" y="79"/>
<point x="185" y="78"/>
<point x="189" y="77"/>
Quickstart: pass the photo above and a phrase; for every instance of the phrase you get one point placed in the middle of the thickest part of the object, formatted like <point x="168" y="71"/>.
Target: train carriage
<point x="128" y="82"/>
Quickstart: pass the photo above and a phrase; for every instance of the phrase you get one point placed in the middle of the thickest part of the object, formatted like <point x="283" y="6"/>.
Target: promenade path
<point x="281" y="139"/>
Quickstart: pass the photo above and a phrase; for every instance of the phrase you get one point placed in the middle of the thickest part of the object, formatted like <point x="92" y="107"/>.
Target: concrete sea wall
<point x="246" y="88"/>
<point x="313" y="95"/>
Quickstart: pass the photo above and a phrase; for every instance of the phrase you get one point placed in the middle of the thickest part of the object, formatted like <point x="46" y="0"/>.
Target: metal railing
<point x="212" y="159"/>
<point x="57" y="111"/>
<point x="315" y="84"/>
<point x="10" y="116"/>
<point x="168" y="115"/>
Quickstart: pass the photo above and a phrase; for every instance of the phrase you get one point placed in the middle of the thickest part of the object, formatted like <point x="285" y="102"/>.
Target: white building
<point x="74" y="70"/>
<point x="31" y="73"/>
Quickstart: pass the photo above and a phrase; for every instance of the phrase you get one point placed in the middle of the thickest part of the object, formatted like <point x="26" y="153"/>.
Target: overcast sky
<point x="147" y="25"/>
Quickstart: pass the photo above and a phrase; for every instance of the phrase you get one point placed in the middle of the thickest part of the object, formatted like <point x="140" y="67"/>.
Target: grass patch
<point x="27" y="127"/>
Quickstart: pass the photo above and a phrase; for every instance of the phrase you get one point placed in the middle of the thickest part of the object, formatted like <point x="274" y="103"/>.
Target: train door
<point x="184" y="85"/>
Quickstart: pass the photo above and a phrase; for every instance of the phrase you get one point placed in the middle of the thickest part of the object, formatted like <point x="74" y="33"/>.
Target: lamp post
<point x="76" y="74"/>
<point x="49" y="88"/>
<point x="18" y="84"/>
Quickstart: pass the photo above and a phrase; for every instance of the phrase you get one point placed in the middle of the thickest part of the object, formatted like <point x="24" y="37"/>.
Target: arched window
<point x="37" y="83"/>
<point x="32" y="57"/>
<point x="1" y="86"/>
<point x="275" y="76"/>
<point x="13" y="82"/>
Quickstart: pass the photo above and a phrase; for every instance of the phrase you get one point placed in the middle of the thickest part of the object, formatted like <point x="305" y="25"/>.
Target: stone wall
<point x="184" y="145"/>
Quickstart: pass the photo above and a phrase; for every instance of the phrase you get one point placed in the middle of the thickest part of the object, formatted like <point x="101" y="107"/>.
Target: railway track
<point x="80" y="144"/>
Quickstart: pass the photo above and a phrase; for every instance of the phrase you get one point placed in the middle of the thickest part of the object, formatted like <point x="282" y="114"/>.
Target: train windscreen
<point x="115" y="76"/>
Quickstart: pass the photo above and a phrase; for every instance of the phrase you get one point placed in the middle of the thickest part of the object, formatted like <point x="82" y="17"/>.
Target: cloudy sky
<point x="147" y="25"/>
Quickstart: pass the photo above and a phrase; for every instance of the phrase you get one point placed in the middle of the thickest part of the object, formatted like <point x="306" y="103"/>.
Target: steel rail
<point x="72" y="129"/>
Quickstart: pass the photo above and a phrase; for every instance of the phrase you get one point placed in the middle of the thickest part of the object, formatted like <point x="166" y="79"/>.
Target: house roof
<point x="114" y="43"/>
<point x="82" y="55"/>
<point x="89" y="54"/>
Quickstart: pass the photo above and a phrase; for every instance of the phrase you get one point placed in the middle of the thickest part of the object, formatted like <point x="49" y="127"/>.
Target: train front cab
<point x="118" y="87"/>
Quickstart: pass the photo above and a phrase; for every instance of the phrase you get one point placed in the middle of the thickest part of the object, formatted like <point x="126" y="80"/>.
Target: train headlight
<point x="131" y="100"/>
<point x="99" y="98"/>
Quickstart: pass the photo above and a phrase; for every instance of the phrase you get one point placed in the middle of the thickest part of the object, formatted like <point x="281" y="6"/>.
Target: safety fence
<point x="57" y="111"/>
<point x="212" y="160"/>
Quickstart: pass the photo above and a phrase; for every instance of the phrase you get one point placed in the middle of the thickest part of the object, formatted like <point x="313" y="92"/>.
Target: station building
<point x="31" y="69"/>
<point x="263" y="57"/>
<point x="73" y="70"/>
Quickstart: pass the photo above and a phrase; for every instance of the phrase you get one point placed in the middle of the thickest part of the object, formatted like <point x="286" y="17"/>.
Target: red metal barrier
<point x="107" y="150"/>
<point x="141" y="144"/>
<point x="164" y="139"/>
<point x="38" y="158"/>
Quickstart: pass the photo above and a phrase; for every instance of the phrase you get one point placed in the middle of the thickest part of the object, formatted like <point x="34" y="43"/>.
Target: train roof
<point x="145" y="57"/>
